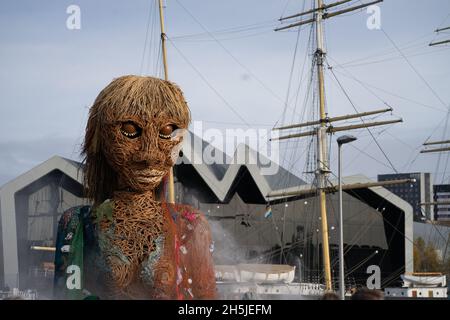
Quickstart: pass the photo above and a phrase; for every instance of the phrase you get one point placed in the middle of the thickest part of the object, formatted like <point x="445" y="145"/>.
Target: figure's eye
<point x="166" y="131"/>
<point x="130" y="129"/>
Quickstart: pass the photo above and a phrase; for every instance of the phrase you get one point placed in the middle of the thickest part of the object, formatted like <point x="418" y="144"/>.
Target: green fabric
<point x="75" y="231"/>
<point x="76" y="259"/>
<point x="104" y="211"/>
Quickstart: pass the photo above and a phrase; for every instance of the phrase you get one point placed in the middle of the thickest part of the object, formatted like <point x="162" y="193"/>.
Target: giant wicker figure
<point x="131" y="244"/>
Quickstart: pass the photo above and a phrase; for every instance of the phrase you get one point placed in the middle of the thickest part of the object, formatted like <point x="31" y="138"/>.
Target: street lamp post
<point x="341" y="140"/>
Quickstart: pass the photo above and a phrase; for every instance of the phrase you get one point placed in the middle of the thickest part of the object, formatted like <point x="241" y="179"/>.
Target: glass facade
<point x="414" y="193"/>
<point x="442" y="193"/>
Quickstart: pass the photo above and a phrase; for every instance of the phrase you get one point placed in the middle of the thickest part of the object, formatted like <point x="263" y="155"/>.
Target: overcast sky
<point x="50" y="75"/>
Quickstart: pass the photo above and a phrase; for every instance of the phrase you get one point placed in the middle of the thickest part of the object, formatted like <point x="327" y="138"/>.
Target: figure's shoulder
<point x="186" y="213"/>
<point x="189" y="219"/>
<point x="73" y="216"/>
<point x="103" y="211"/>
<point x="85" y="215"/>
<point x="71" y="222"/>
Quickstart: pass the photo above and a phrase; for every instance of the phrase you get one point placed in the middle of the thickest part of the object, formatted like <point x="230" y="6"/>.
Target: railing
<point x="19" y="295"/>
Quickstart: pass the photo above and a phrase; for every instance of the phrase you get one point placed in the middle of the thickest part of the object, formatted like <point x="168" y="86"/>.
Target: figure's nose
<point x="149" y="152"/>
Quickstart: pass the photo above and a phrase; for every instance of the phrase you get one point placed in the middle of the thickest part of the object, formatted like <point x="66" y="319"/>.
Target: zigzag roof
<point x="221" y="176"/>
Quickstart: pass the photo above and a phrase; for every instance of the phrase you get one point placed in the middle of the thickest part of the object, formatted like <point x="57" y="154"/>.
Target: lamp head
<point x="345" y="139"/>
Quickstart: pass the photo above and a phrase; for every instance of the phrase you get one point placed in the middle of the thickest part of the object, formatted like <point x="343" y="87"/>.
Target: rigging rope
<point x="356" y="110"/>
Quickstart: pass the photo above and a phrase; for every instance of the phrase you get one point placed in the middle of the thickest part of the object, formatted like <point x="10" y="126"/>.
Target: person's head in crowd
<point x="330" y="296"/>
<point x="367" y="294"/>
<point x="14" y="298"/>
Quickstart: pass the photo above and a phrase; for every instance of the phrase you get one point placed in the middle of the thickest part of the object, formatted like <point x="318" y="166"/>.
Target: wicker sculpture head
<point x="132" y="137"/>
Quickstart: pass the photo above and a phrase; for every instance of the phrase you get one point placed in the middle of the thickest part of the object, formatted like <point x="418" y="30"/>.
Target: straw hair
<point x="144" y="98"/>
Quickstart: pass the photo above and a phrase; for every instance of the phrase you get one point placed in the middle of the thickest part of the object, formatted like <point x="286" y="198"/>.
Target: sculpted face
<point x="142" y="149"/>
<point x="138" y="125"/>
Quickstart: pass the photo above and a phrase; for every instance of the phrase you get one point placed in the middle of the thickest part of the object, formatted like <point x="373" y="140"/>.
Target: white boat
<point x="263" y="281"/>
<point x="255" y="273"/>
<point x="411" y="280"/>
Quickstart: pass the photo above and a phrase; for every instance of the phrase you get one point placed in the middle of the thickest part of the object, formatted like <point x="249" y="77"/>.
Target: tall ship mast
<point x="171" y="183"/>
<point x="322" y="127"/>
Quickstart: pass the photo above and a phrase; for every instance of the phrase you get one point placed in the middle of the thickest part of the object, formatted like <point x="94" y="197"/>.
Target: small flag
<point x="268" y="213"/>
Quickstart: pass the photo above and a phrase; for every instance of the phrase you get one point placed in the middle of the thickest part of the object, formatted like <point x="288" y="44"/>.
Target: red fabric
<point x="191" y="234"/>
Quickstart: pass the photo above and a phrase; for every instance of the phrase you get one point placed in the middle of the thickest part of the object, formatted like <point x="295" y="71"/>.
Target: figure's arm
<point x="59" y="278"/>
<point x="61" y="258"/>
<point x="203" y="277"/>
<point x="69" y="256"/>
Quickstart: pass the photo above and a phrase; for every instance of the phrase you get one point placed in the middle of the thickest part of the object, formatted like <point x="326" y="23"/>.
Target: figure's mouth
<point x="149" y="175"/>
